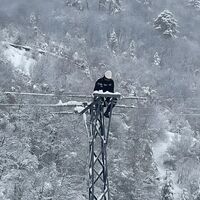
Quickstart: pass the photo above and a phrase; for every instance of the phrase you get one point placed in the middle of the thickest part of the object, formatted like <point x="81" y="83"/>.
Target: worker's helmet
<point x="108" y="74"/>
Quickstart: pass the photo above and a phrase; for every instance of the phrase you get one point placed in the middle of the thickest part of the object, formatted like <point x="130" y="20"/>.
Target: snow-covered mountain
<point x="59" y="47"/>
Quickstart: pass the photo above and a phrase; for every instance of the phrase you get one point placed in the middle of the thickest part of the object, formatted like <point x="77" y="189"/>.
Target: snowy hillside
<point x="20" y="59"/>
<point x="52" y="49"/>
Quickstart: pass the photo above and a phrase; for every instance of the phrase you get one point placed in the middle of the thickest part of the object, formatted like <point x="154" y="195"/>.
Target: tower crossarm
<point x="107" y="94"/>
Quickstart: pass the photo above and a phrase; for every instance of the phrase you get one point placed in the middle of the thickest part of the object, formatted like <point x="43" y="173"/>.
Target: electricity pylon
<point x="98" y="140"/>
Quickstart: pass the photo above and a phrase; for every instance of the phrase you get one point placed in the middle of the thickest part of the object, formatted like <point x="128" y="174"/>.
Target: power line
<point x="57" y="105"/>
<point x="133" y="97"/>
<point x="29" y="94"/>
<point x="71" y="104"/>
<point x="181" y="114"/>
<point x="121" y="114"/>
<point x="73" y="94"/>
<point x="49" y="94"/>
<point x="75" y="113"/>
<point x="76" y="95"/>
<point x="38" y="105"/>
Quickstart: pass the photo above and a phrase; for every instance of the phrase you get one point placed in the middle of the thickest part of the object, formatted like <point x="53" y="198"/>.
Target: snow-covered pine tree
<point x="113" y="41"/>
<point x="167" y="189"/>
<point x="132" y="50"/>
<point x="195" y="4"/>
<point x="166" y="24"/>
<point x="185" y="195"/>
<point x="33" y="19"/>
<point x="156" y="59"/>
<point x="102" y="4"/>
<point x="114" y="6"/>
<point x="75" y="3"/>
<point x="34" y="25"/>
<point x="147" y="3"/>
<point x="196" y="195"/>
<point x="167" y="193"/>
<point x="37" y="36"/>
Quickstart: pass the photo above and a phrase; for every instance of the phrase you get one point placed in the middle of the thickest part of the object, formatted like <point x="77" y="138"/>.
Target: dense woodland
<point x="152" y="48"/>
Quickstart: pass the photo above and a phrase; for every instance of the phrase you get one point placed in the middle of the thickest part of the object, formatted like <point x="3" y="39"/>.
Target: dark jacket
<point x="107" y="85"/>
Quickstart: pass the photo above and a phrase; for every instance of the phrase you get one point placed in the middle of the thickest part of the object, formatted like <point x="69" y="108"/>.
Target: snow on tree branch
<point x="195" y="4"/>
<point x="166" y="24"/>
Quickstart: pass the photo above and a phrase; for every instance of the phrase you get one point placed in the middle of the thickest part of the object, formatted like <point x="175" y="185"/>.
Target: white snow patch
<point x="158" y="152"/>
<point x="69" y="103"/>
<point x="160" y="149"/>
<point x="19" y="59"/>
<point x="59" y="103"/>
<point x="48" y="186"/>
<point x="125" y="126"/>
<point x="106" y="93"/>
<point x="125" y="174"/>
<point x="78" y="109"/>
<point x="75" y="56"/>
<point x="73" y="154"/>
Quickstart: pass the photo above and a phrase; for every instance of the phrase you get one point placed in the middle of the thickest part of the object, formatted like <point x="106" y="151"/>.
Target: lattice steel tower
<point x="98" y="140"/>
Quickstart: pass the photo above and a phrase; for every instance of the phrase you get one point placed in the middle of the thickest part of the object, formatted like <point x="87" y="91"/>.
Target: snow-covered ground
<point x="159" y="152"/>
<point x="20" y="59"/>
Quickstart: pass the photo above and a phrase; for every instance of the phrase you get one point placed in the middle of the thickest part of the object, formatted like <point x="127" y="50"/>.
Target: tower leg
<point x="98" y="140"/>
<point x="98" y="175"/>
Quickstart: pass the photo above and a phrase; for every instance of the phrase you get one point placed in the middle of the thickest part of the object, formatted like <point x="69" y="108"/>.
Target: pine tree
<point x="156" y="59"/>
<point x="102" y="4"/>
<point x="195" y="4"/>
<point x="167" y="193"/>
<point x="167" y="190"/>
<point x="113" y="41"/>
<point x="132" y="50"/>
<point x="37" y="36"/>
<point x="185" y="195"/>
<point x="75" y="3"/>
<point x="166" y="24"/>
<point x="196" y="196"/>
<point x="147" y="3"/>
<point x="34" y="20"/>
<point x="114" y="6"/>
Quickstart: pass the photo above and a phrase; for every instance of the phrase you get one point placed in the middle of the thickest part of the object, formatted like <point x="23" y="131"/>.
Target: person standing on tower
<point x="106" y="84"/>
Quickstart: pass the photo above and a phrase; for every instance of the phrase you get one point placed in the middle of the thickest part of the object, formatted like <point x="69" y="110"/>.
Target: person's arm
<point x="96" y="87"/>
<point x="113" y="87"/>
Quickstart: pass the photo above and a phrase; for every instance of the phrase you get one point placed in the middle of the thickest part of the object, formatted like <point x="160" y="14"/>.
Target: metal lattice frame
<point x="99" y="132"/>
